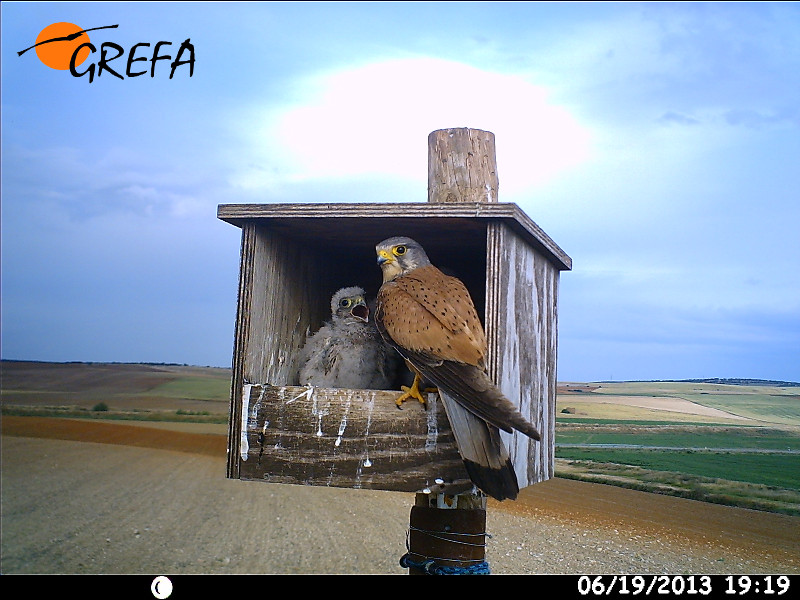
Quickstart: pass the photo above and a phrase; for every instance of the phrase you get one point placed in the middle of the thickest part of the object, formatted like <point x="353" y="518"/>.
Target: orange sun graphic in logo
<point x="56" y="44"/>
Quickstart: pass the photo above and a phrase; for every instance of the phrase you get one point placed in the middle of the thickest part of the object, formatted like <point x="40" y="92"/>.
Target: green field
<point x="770" y="408"/>
<point x="628" y="434"/>
<point x="116" y="391"/>
<point x="764" y="404"/>
<point x="717" y="442"/>
<point x="778" y="470"/>
<point x="197" y="387"/>
<point x="671" y="436"/>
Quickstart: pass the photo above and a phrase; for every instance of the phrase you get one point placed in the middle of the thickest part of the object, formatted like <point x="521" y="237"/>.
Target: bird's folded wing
<point x="431" y="319"/>
<point x="473" y="389"/>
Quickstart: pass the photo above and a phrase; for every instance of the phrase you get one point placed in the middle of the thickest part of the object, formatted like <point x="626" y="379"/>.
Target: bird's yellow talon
<point x="411" y="392"/>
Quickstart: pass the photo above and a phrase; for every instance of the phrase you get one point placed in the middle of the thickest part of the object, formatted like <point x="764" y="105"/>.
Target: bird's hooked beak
<point x="360" y="311"/>
<point x="389" y="265"/>
<point x="384" y="256"/>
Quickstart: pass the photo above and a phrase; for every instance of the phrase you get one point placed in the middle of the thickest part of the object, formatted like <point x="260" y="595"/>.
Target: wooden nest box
<point x="295" y="256"/>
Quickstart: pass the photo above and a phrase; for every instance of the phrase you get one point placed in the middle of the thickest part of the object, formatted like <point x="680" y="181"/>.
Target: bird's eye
<point x="345" y="303"/>
<point x="399" y="250"/>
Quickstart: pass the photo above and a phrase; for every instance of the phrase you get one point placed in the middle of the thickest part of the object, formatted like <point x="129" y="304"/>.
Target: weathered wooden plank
<point x="462" y="166"/>
<point x="282" y="295"/>
<point x="347" y="438"/>
<point x="368" y="223"/>
<point x="241" y="336"/>
<point x="522" y="329"/>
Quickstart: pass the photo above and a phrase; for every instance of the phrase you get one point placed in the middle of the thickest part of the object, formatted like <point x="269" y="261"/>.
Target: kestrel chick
<point x="429" y="317"/>
<point x="347" y="351"/>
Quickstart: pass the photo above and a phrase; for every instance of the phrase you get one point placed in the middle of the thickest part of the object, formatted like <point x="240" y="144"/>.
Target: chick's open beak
<point x="360" y="311"/>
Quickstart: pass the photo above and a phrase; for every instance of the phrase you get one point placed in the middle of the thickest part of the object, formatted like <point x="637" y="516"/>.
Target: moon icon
<point x="161" y="587"/>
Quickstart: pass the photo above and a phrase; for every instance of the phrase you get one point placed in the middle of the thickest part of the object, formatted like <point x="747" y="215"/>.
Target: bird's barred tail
<point x="484" y="454"/>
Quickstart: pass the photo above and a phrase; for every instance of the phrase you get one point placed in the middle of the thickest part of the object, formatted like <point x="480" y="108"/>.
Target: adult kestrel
<point x="429" y="317"/>
<point x="347" y="351"/>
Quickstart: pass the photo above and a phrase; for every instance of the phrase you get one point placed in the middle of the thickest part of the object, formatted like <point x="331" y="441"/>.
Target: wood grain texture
<point x="522" y="326"/>
<point x="347" y="438"/>
<point x="369" y="223"/>
<point x="462" y="166"/>
<point x="240" y="337"/>
<point x="278" y="304"/>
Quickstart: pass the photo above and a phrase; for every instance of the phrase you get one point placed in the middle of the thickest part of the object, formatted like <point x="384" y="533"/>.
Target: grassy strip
<point x="197" y="388"/>
<point x="776" y="470"/>
<point x="84" y="413"/>
<point x="696" y="437"/>
<point x="705" y="489"/>
<point x="572" y="420"/>
<point x="773" y="408"/>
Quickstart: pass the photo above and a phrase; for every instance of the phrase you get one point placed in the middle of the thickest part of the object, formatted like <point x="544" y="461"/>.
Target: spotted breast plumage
<point x="347" y="351"/>
<point x="429" y="317"/>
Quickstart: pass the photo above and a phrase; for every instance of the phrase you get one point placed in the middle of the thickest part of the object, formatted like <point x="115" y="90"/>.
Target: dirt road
<point x="118" y="502"/>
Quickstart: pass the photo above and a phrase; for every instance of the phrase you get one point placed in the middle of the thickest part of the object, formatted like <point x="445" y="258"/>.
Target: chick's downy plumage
<point x="347" y="351"/>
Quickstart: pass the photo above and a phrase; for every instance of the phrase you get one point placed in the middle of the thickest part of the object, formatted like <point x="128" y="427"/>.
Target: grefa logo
<point x="65" y="46"/>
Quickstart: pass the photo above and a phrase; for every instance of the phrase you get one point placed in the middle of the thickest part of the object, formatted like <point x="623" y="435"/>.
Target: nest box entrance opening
<point x="297" y="264"/>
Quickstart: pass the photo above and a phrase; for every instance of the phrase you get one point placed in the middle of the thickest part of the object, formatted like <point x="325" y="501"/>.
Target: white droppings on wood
<point x="281" y="404"/>
<point x="370" y="408"/>
<point x="433" y="426"/>
<point x="320" y="414"/>
<point x="343" y="422"/>
<point x="365" y="460"/>
<point x="309" y="394"/>
<point x="489" y="197"/>
<point x="244" y="448"/>
<point x="288" y="450"/>
<point x="317" y="412"/>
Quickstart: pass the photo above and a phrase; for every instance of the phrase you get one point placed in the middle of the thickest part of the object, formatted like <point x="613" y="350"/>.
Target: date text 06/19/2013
<point x="679" y="585"/>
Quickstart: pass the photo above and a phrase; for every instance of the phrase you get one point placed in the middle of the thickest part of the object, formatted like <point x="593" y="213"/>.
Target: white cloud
<point x="375" y="120"/>
<point x="118" y="180"/>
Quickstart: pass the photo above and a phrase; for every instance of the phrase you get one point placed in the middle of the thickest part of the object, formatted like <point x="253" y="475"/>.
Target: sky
<point x="658" y="144"/>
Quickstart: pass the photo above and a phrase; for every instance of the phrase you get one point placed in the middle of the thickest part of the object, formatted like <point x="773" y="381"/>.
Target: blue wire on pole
<point x="429" y="567"/>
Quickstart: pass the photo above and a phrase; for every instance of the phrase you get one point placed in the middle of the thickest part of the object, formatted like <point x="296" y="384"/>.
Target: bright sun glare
<point x="375" y="119"/>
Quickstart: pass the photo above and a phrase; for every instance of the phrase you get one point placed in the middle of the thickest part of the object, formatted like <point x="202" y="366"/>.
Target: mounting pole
<point x="450" y="531"/>
<point x="462" y="166"/>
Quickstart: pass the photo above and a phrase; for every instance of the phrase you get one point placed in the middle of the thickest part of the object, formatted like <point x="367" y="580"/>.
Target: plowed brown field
<point x="80" y="496"/>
